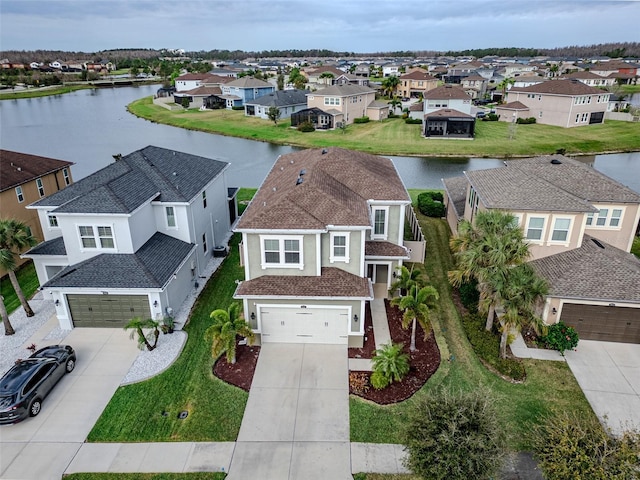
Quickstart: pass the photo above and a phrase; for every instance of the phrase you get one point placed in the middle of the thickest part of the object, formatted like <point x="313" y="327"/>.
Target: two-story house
<point x="447" y="113"/>
<point x="415" y="83"/>
<point x="286" y="101"/>
<point x="24" y="179"/>
<point x="564" y="103"/>
<point x="189" y="81"/>
<point x="322" y="236"/>
<point x="132" y="239"/>
<point x="590" y="78"/>
<point x="580" y="226"/>
<point x="245" y="89"/>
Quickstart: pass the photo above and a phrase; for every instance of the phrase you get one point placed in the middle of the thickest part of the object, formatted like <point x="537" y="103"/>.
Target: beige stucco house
<point x="564" y="103"/>
<point x="415" y="83"/>
<point x="580" y="226"/>
<point x="322" y="236"/>
<point x="347" y="102"/>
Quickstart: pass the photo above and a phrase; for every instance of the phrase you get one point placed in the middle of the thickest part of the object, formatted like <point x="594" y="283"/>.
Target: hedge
<point x="430" y="204"/>
<point x="412" y="121"/>
<point x="361" y="120"/>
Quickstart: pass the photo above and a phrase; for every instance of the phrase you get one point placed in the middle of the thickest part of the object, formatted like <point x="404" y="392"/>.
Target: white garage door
<point x="304" y="325"/>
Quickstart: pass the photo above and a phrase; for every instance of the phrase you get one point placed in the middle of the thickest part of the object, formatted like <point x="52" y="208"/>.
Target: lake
<point x="88" y="127"/>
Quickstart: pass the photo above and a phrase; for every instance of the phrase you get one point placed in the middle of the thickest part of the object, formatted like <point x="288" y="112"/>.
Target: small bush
<point x="359" y="382"/>
<point x="455" y="436"/>
<point x="412" y="121"/>
<point x="569" y="445"/>
<point x="430" y="204"/>
<point x="361" y="120"/>
<point x="389" y="365"/>
<point x="306" y="127"/>
<point x="487" y="347"/>
<point x="237" y="108"/>
<point x="560" y="337"/>
<point x="526" y="121"/>
<point x="469" y="295"/>
<point x="393" y="115"/>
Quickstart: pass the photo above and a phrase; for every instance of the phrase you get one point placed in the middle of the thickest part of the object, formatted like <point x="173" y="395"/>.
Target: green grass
<point x="215" y="408"/>
<point x="630" y="88"/>
<point x="548" y="385"/>
<point x="635" y="248"/>
<point x="28" y="281"/>
<point x="43" y="92"/>
<point x="244" y="197"/>
<point x="147" y="476"/>
<point x="394" y="137"/>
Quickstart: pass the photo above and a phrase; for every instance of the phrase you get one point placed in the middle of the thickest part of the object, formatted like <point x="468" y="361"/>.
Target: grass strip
<point x="28" y="281"/>
<point x="42" y="92"/>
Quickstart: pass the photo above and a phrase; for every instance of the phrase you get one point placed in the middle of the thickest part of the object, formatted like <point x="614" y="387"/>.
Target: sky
<point x="360" y="26"/>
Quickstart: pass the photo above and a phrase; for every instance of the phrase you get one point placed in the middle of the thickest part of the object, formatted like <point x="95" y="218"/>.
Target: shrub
<point x="306" y="127"/>
<point x="361" y="120"/>
<point x="430" y="204"/>
<point x="526" y="121"/>
<point x="412" y="121"/>
<point x="455" y="436"/>
<point x="560" y="337"/>
<point x="487" y="347"/>
<point x="237" y="107"/>
<point x="389" y="365"/>
<point x="491" y="117"/>
<point x="570" y="445"/>
<point x="359" y="382"/>
<point x="185" y="102"/>
<point x="393" y="115"/>
<point x="469" y="295"/>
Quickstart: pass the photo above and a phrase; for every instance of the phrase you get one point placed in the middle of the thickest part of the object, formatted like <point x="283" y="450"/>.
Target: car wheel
<point x="71" y="364"/>
<point x="35" y="407"/>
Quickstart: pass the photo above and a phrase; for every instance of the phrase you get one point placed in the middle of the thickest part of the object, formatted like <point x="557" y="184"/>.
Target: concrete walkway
<point x="380" y="332"/>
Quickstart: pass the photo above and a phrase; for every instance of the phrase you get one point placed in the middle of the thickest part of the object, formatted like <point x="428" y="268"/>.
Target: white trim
<point x="552" y="224"/>
<point x="332" y="257"/>
<point x="245" y="255"/>
<point x="607" y="219"/>
<point x="545" y="218"/>
<point x="281" y="251"/>
<point x="166" y="217"/>
<point x="379" y="236"/>
<point x="272" y="231"/>
<point x="21" y="194"/>
<point x="348" y="308"/>
<point x="96" y="237"/>
<point x="318" y="239"/>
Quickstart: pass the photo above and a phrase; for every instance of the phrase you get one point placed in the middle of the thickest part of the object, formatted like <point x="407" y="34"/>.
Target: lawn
<point x="215" y="408"/>
<point x="394" y="137"/>
<point x="27" y="279"/>
<point x="549" y="384"/>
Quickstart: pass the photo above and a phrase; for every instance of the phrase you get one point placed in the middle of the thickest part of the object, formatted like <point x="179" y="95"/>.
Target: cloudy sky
<point x="342" y="25"/>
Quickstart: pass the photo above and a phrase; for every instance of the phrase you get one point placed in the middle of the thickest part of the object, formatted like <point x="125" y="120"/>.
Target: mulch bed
<point x="424" y="363"/>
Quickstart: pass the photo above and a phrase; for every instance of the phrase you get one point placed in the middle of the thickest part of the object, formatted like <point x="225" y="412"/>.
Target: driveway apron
<point x="296" y="423"/>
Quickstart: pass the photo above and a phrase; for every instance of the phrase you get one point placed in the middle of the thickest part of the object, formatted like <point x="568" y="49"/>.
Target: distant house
<point x="189" y="81"/>
<point x="564" y="103"/>
<point x="132" y="239"/>
<point x="324" y="75"/>
<point x="589" y="78"/>
<point x="474" y="85"/>
<point x="449" y="123"/>
<point x="25" y="179"/>
<point x="351" y="79"/>
<point x="391" y="69"/>
<point x="287" y="102"/>
<point x="201" y="97"/>
<point x="415" y="83"/>
<point x="452" y="97"/>
<point x="242" y="90"/>
<point x="512" y="111"/>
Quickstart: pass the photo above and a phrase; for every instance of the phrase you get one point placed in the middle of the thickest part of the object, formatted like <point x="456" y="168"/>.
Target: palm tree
<point x="485" y="251"/>
<point x="404" y="280"/>
<point x="523" y="291"/>
<point x="416" y="307"/>
<point x="389" y="365"/>
<point x="389" y="84"/>
<point x="137" y="325"/>
<point x="504" y="86"/>
<point x="394" y="102"/>
<point x="8" y="328"/>
<point x="14" y="238"/>
<point x="327" y="77"/>
<point x="227" y="325"/>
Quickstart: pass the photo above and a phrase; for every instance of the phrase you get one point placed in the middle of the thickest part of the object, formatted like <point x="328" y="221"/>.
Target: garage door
<point x="107" y="310"/>
<point x="304" y="325"/>
<point x="596" y="322"/>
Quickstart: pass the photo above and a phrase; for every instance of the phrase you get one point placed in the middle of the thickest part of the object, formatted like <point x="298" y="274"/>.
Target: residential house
<point x="474" y="85"/>
<point x="449" y="123"/>
<point x="242" y="90"/>
<point x="527" y="81"/>
<point x="322" y="236"/>
<point x="415" y="83"/>
<point x="201" y="97"/>
<point x="351" y="79"/>
<point x="26" y="178"/>
<point x="362" y="70"/>
<point x="580" y="225"/>
<point x="512" y="111"/>
<point x="391" y="69"/>
<point x="564" y="103"/>
<point x="590" y="78"/>
<point x="447" y="96"/>
<point x="189" y="81"/>
<point x="287" y="102"/>
<point x="132" y="239"/>
<point x="324" y="75"/>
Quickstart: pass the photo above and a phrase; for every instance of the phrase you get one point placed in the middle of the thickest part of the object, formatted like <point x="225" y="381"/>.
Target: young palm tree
<point x="8" y="328"/>
<point x="404" y="279"/>
<point x="485" y="251"/>
<point x="137" y="325"/>
<point x="14" y="238"/>
<point x="227" y="325"/>
<point x="522" y="292"/>
<point x="389" y="365"/>
<point x="389" y="84"/>
<point x="394" y="102"/>
<point x="416" y="307"/>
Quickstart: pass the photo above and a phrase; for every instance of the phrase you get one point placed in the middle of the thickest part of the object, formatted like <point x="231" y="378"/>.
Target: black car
<point x="29" y="381"/>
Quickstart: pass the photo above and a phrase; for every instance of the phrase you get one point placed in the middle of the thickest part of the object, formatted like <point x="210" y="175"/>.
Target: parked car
<point x="29" y="381"/>
<point x="480" y="114"/>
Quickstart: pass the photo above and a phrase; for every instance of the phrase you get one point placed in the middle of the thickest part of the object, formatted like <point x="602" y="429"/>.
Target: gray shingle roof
<point x="126" y="184"/>
<point x="49" y="247"/>
<point x="591" y="272"/>
<point x="559" y="87"/>
<point x="456" y="188"/>
<point x="150" y="267"/>
<point x="447" y="92"/>
<point x="343" y="90"/>
<point x="281" y="98"/>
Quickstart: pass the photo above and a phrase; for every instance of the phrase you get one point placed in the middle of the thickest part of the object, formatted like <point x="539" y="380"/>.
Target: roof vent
<point x="324" y="151"/>
<point x="302" y="172"/>
<point x="555" y="161"/>
<point x="175" y="174"/>
<point x="299" y="181"/>
<point x="274" y="189"/>
<point x="597" y="243"/>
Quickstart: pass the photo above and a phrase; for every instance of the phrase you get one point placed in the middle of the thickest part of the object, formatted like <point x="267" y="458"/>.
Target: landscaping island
<point x="394" y="137"/>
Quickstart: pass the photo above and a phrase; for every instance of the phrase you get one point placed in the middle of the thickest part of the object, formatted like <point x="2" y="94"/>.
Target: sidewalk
<point x="381" y="334"/>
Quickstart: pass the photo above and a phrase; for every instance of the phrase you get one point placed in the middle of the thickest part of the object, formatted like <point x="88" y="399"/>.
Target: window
<point x="380" y="222"/>
<point x="204" y="242"/>
<point x="339" y="247"/>
<point x="615" y="217"/>
<point x="589" y="219"/>
<point x="53" y="221"/>
<point x="281" y="251"/>
<point x="19" y="194"/>
<point x="204" y="199"/>
<point x="89" y="240"/>
<point x="65" y="174"/>
<point x="534" y="231"/>
<point x="605" y="217"/>
<point x="602" y="217"/>
<point x="332" y="100"/>
<point x="171" y="217"/>
<point x="561" y="230"/>
<point x="40" y="187"/>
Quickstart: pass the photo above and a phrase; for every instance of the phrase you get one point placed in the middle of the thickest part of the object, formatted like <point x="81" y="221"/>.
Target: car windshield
<point x="14" y="378"/>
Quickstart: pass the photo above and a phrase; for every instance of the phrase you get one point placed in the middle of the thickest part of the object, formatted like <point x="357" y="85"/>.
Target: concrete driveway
<point x="43" y="446"/>
<point x="609" y="375"/>
<point x="296" y="423"/>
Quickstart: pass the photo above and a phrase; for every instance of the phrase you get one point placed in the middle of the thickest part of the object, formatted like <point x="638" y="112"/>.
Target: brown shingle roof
<point x="591" y="272"/>
<point x="384" y="249"/>
<point x="417" y="75"/>
<point x="446" y="92"/>
<point x="334" y="190"/>
<point x="200" y="91"/>
<point x="193" y="76"/>
<point x="447" y="113"/>
<point x="248" y="82"/>
<point x="559" y="87"/>
<point x="19" y="168"/>
<point x="343" y="90"/>
<point x="512" y="106"/>
<point x="332" y="282"/>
